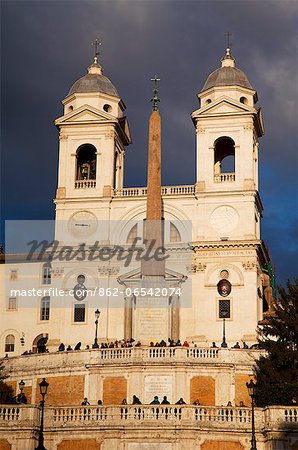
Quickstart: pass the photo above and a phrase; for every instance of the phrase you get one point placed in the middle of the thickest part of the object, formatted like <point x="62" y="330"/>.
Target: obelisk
<point x="153" y="226"/>
<point x="152" y="316"/>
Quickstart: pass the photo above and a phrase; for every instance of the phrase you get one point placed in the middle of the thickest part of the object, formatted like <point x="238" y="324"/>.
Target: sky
<point x="46" y="47"/>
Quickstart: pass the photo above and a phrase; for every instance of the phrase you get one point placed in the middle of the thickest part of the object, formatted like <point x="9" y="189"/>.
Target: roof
<point x="94" y="82"/>
<point x="227" y="76"/>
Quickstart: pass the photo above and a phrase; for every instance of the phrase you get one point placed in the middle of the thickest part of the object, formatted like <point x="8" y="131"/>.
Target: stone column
<point x="127" y="317"/>
<point x="175" y="314"/>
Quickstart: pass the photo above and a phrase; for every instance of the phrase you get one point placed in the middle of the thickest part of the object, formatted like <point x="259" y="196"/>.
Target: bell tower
<point x="228" y="125"/>
<point x="93" y="133"/>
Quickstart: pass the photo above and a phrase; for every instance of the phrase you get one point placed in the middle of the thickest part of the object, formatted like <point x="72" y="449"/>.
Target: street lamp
<point x="251" y="386"/>
<point x="224" y="344"/>
<point x="21" y="386"/>
<point x="43" y="386"/>
<point x="97" y="314"/>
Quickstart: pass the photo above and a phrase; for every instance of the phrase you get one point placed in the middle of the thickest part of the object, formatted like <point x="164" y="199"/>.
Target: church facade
<point x="92" y="286"/>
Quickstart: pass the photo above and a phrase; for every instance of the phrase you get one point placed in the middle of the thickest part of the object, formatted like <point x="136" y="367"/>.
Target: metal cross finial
<point x="228" y="35"/>
<point x="155" y="98"/>
<point x="96" y="44"/>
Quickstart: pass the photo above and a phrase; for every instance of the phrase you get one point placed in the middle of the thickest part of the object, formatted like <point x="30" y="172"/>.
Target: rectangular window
<point x="45" y="308"/>
<point x="79" y="312"/>
<point x="224" y="309"/>
<point x="46" y="273"/>
<point x="12" y="303"/>
<point x="13" y="275"/>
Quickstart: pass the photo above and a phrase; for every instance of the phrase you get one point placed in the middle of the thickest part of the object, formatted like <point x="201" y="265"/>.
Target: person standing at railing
<point x="85" y="402"/>
<point x="155" y="401"/>
<point x="165" y="401"/>
<point x="136" y="400"/>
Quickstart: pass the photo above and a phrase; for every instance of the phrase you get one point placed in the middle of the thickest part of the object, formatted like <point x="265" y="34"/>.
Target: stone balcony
<point x="224" y="177"/>
<point x="85" y="184"/>
<point x="275" y="418"/>
<point x="135" y="355"/>
<point x="165" y="191"/>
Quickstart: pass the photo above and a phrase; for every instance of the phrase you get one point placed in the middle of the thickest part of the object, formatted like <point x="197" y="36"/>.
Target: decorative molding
<point x="249" y="265"/>
<point x="200" y="130"/>
<point x="108" y="270"/>
<point x="63" y="137"/>
<point x="57" y="272"/>
<point x="196" y="267"/>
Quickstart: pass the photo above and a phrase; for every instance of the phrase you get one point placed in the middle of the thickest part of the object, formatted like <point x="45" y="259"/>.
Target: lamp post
<point x="97" y="314"/>
<point x="251" y="386"/>
<point x="43" y="386"/>
<point x="21" y="386"/>
<point x="224" y="342"/>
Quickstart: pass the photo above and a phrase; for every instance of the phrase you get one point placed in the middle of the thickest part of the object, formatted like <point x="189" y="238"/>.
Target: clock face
<point x="82" y="224"/>
<point x="224" y="219"/>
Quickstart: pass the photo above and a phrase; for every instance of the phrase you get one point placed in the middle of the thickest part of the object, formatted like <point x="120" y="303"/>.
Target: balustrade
<point x="165" y="190"/>
<point x="224" y="177"/>
<point x="217" y="417"/>
<point x="85" y="184"/>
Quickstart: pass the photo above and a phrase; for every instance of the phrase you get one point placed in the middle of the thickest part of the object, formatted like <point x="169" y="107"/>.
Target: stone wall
<point x="241" y="392"/>
<point x="222" y="445"/>
<point x="64" y="390"/>
<point x="78" y="444"/>
<point x="114" y="390"/>
<point x="4" y="444"/>
<point x="203" y="389"/>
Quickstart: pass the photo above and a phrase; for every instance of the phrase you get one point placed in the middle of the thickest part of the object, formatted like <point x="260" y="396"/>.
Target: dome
<point x="227" y="75"/>
<point x="94" y="81"/>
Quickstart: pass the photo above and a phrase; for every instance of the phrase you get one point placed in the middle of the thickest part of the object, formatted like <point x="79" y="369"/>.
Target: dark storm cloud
<point x="46" y="46"/>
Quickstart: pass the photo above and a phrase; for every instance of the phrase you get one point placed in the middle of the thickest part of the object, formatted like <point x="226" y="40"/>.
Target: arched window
<point x="9" y="343"/>
<point x="224" y="156"/>
<point x="86" y="162"/>
<point x="45" y="308"/>
<point x="46" y="273"/>
<point x="132" y="235"/>
<point x="174" y="234"/>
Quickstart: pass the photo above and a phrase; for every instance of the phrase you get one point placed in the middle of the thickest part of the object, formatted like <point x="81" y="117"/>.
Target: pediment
<point x="223" y="106"/>
<point x="135" y="276"/>
<point x="85" y="114"/>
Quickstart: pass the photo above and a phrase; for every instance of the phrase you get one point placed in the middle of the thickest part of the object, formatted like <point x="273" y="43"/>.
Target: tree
<point x="276" y="371"/>
<point x="6" y="392"/>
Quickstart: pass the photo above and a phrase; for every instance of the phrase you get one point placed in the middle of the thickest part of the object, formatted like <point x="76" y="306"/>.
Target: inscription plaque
<point x="151" y="319"/>
<point x="159" y="385"/>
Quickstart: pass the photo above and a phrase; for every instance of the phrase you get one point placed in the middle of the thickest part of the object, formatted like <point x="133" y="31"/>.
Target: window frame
<point x="7" y="344"/>
<point x="46" y="274"/>
<point x="220" y="319"/>
<point x="9" y="303"/>
<point x="75" y="306"/>
<point x="45" y="310"/>
<point x="13" y="274"/>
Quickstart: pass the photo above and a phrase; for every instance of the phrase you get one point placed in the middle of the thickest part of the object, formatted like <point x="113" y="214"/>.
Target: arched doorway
<point x="39" y="343"/>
